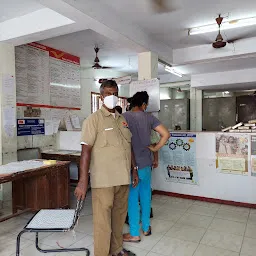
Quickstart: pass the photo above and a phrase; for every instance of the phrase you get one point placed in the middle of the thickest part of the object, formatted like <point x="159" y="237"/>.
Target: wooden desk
<point x="61" y="155"/>
<point x="46" y="187"/>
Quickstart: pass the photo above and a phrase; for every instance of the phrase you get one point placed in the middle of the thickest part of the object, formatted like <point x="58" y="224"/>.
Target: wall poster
<point x="253" y="155"/>
<point x="178" y="158"/>
<point x="232" y="153"/>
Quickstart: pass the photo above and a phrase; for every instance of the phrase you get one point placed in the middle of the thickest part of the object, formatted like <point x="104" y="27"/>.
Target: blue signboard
<point x="27" y="127"/>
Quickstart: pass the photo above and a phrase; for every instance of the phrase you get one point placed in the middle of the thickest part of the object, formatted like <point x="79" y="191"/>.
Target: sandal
<point x="149" y="232"/>
<point x="131" y="239"/>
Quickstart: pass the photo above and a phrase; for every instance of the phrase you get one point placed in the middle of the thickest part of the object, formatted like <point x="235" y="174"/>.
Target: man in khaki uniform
<point x="106" y="151"/>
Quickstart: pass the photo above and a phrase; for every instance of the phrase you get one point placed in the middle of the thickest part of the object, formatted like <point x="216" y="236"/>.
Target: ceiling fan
<point x="161" y="6"/>
<point x="219" y="41"/>
<point x="96" y="64"/>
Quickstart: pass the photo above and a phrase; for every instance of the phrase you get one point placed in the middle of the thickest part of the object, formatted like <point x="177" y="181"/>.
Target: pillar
<point x="8" y="138"/>
<point x="196" y="115"/>
<point x="148" y="65"/>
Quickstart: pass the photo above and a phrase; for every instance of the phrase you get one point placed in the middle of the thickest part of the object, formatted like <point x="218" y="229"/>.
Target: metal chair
<point x="60" y="220"/>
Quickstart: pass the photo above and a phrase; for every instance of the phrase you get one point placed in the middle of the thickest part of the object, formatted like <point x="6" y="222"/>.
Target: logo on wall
<point x="56" y="55"/>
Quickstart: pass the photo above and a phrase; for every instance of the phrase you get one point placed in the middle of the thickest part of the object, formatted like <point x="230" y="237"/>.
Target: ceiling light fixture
<point x="225" y="25"/>
<point x="171" y="70"/>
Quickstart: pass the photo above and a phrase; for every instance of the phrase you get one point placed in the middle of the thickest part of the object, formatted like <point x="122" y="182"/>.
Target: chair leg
<point x="18" y="242"/>
<point x="60" y="250"/>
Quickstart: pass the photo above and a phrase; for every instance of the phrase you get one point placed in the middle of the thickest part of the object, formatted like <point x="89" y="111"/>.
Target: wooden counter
<point x="46" y="187"/>
<point x="62" y="155"/>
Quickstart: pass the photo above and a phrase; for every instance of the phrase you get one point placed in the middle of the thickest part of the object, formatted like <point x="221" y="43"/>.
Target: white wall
<point x="212" y="184"/>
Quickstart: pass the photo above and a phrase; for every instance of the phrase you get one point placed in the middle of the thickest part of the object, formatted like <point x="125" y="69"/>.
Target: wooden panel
<point x="43" y="192"/>
<point x="41" y="188"/>
<point x="53" y="183"/>
<point x="63" y="187"/>
<point x="30" y="190"/>
<point x="18" y="197"/>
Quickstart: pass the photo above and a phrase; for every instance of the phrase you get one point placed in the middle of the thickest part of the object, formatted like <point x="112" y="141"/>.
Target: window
<point x="96" y="102"/>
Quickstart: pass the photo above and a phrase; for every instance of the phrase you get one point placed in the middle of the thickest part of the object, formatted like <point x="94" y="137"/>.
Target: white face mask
<point x="111" y="101"/>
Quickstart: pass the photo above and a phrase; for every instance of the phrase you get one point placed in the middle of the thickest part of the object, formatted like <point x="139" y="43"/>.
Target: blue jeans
<point x="142" y="194"/>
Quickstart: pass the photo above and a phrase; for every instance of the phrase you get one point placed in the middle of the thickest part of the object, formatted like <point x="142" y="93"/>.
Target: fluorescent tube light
<point x="224" y="26"/>
<point x="171" y="70"/>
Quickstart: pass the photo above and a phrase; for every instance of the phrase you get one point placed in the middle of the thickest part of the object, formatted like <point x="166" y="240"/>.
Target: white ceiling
<point x="123" y="28"/>
<point x="82" y="44"/>
<point x="172" y="28"/>
<point x="15" y="8"/>
<point x="111" y="53"/>
<point x="217" y="66"/>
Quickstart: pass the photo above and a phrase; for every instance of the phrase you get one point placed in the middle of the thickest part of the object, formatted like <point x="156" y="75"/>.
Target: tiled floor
<point x="180" y="228"/>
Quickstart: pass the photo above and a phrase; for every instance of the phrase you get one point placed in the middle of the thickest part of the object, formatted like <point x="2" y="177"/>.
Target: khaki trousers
<point x="109" y="213"/>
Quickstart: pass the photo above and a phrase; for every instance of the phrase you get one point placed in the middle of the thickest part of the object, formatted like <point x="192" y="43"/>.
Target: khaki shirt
<point x="110" y="139"/>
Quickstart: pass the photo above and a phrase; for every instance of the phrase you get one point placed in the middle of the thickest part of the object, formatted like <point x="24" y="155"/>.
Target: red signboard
<point x="57" y="54"/>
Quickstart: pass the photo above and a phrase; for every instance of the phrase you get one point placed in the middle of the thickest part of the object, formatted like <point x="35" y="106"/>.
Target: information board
<point x="26" y="127"/>
<point x="152" y="87"/>
<point x="178" y="158"/>
<point x="232" y="153"/>
<point x="47" y="76"/>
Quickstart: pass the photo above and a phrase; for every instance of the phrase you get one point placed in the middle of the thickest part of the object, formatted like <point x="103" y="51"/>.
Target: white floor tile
<point x="252" y="218"/>
<point x="31" y="236"/>
<point x="250" y="230"/>
<point x="147" y="243"/>
<point x="205" y="250"/>
<point x="86" y="242"/>
<point x="222" y="240"/>
<point x="201" y="210"/>
<point x="169" y="214"/>
<point x="161" y="226"/>
<point x="136" y="250"/>
<point x="174" y="247"/>
<point x="208" y="205"/>
<point x="195" y="220"/>
<point x="153" y="254"/>
<point x="85" y="225"/>
<point x="232" y="215"/>
<point x="249" y="246"/>
<point x="8" y="244"/>
<point x="31" y="250"/>
<point x="157" y="203"/>
<point x="181" y="200"/>
<point x="187" y="233"/>
<point x="62" y="239"/>
<point x="14" y="225"/>
<point x="177" y="205"/>
<point x="231" y="227"/>
<point x="235" y="208"/>
<point x="160" y="198"/>
<point x="178" y="226"/>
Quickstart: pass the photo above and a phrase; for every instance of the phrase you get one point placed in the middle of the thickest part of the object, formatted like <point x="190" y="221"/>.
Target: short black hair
<point x="119" y="109"/>
<point x="139" y="98"/>
<point x="108" y="84"/>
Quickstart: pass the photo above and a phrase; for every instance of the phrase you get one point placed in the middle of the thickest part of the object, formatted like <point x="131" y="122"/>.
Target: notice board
<point x="153" y="89"/>
<point x="26" y="127"/>
<point x="47" y="76"/>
